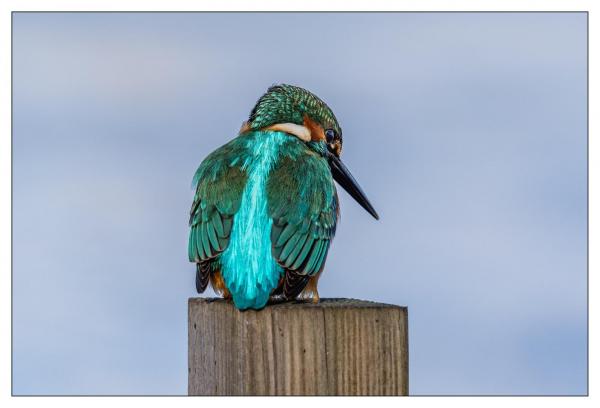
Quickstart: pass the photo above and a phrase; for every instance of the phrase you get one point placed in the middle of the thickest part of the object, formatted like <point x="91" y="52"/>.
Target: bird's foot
<point x="310" y="296"/>
<point x="273" y="300"/>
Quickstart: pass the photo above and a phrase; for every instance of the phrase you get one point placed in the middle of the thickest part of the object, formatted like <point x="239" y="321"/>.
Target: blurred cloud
<point x="468" y="132"/>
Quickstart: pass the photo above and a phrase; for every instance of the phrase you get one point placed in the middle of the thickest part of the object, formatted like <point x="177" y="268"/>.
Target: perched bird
<point x="266" y="207"/>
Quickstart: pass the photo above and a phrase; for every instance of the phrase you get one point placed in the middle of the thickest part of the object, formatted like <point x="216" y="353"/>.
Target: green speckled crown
<point x="288" y="104"/>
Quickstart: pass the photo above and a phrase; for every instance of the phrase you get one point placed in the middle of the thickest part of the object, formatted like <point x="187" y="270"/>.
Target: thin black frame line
<point x="587" y="201"/>
<point x="307" y="12"/>
<point x="300" y="11"/>
<point x="12" y="123"/>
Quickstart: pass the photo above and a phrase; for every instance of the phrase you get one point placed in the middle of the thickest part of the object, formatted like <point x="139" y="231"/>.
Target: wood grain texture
<point x="336" y="347"/>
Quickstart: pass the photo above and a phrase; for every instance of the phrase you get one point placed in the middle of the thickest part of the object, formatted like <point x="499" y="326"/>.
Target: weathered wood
<point x="336" y="347"/>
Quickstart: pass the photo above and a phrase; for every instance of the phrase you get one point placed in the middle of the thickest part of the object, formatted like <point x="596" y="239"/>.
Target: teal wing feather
<point x="304" y="207"/>
<point x="219" y="183"/>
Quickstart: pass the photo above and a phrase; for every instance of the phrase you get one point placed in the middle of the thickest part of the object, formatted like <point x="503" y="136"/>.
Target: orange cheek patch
<point x="245" y="127"/>
<point x="316" y="131"/>
<point x="338" y="148"/>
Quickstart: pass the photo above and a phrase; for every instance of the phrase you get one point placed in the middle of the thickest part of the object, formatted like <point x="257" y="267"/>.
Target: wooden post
<point x="335" y="347"/>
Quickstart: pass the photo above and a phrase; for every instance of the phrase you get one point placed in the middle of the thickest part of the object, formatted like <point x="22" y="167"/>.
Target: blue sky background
<point x="467" y="131"/>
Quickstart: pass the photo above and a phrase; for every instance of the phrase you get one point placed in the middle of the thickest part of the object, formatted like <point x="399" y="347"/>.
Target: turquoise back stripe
<point x="247" y="264"/>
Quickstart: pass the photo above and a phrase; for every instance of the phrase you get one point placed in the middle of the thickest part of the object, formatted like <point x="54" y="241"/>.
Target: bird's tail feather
<point x="202" y="275"/>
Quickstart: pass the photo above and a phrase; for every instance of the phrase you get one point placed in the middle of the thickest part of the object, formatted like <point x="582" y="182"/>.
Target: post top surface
<point x="323" y="303"/>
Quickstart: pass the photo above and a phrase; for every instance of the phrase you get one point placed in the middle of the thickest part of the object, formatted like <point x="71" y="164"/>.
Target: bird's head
<point x="298" y="112"/>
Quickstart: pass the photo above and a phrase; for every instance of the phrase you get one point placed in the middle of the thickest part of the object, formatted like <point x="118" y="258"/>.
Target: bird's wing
<point x="219" y="184"/>
<point x="304" y="207"/>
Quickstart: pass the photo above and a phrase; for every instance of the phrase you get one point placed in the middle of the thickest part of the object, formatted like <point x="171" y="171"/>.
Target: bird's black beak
<point x="342" y="175"/>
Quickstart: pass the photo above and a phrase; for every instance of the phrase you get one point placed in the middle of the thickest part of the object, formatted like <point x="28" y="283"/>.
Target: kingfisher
<point x="265" y="206"/>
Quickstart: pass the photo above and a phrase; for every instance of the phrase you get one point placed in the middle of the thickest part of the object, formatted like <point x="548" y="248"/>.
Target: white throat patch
<point x="301" y="132"/>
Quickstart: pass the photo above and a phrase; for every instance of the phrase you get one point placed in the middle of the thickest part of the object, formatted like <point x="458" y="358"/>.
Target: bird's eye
<point x="330" y="135"/>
